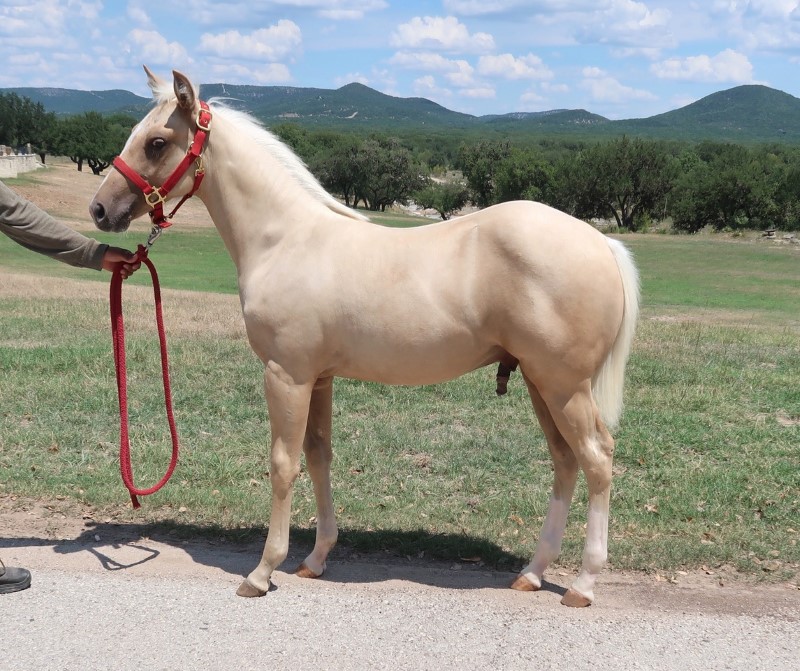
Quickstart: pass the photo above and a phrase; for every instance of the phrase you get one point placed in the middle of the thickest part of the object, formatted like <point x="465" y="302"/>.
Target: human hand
<point x="127" y="262"/>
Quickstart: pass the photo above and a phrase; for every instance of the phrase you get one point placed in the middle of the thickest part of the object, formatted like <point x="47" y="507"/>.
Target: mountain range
<point x="749" y="113"/>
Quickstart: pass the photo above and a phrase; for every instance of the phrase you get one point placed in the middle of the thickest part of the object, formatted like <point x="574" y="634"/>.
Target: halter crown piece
<point x="157" y="196"/>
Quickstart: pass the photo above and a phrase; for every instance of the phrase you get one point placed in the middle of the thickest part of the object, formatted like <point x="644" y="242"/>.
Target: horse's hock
<point x="12" y="164"/>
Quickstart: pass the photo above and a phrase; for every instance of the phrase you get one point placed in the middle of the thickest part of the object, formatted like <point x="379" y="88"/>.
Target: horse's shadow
<point x="438" y="560"/>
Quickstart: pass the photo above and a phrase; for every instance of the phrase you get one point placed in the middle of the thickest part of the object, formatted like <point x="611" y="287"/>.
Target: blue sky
<point x="619" y="58"/>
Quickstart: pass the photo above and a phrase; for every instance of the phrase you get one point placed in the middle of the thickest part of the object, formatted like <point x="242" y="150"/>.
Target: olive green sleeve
<point x="36" y="230"/>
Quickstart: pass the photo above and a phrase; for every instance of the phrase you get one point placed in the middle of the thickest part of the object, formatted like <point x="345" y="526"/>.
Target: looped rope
<point x="118" y="338"/>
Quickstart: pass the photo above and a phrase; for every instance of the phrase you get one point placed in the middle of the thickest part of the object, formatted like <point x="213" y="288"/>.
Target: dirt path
<point x="107" y="595"/>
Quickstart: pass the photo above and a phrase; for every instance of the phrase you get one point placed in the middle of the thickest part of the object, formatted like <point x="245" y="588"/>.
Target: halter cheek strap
<point x="157" y="196"/>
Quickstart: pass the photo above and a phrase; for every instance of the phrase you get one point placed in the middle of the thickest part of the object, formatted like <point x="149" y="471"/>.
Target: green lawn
<point x="707" y="464"/>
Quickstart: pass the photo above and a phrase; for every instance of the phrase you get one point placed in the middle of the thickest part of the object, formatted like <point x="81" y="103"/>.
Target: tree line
<point x="632" y="182"/>
<point x="89" y="138"/>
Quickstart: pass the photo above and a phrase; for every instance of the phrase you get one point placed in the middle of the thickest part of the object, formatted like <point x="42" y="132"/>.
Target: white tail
<point x="609" y="381"/>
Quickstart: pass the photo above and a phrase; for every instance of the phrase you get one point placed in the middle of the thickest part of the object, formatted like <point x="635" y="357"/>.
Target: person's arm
<point x="36" y="230"/>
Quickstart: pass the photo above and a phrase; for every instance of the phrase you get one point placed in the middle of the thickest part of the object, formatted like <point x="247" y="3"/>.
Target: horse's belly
<point x="415" y="363"/>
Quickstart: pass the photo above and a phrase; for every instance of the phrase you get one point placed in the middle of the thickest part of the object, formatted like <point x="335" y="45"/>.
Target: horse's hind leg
<point x="317" y="448"/>
<point x="565" y="468"/>
<point x="288" y="411"/>
<point x="577" y="418"/>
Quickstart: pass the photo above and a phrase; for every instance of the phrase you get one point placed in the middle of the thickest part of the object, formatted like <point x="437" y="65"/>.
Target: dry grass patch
<point x="186" y="313"/>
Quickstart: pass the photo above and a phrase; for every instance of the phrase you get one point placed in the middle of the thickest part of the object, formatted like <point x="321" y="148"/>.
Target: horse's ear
<point x="184" y="91"/>
<point x="156" y="84"/>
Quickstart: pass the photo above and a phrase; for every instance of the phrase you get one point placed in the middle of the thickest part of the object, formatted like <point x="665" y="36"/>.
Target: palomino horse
<point x="326" y="293"/>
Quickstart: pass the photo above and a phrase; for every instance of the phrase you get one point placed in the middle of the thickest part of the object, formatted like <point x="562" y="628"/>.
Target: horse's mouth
<point x="117" y="221"/>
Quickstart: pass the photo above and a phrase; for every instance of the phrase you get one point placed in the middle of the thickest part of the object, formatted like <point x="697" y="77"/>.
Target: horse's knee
<point x="283" y="472"/>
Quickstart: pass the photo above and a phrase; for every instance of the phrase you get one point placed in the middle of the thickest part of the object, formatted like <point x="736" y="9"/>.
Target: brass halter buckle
<point x="154" y="198"/>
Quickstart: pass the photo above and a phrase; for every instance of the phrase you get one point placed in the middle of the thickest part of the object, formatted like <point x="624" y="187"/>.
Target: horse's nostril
<point x="98" y="211"/>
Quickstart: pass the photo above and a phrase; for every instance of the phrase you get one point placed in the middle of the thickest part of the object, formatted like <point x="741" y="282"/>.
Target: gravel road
<point x="107" y="598"/>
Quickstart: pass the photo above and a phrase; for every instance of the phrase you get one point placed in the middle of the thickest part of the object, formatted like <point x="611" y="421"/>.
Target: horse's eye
<point x="158" y="143"/>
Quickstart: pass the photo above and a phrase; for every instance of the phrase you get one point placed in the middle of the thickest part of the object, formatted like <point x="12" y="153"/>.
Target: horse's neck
<point x="253" y="200"/>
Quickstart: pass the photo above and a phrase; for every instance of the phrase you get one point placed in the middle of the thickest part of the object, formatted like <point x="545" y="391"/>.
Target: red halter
<point x="157" y="196"/>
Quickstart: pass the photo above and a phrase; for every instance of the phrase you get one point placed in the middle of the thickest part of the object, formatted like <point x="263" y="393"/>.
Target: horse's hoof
<point x="575" y="600"/>
<point x="247" y="589"/>
<point x="523" y="584"/>
<point x="304" y="572"/>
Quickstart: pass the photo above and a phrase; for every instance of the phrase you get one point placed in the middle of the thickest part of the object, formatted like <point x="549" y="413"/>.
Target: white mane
<point x="250" y="126"/>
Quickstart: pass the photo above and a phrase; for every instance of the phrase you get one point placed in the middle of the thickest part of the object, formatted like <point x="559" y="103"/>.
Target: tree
<point x="93" y="139"/>
<point x="8" y="118"/>
<point x="787" y="194"/>
<point x="478" y="164"/>
<point x="296" y="137"/>
<point x="72" y="140"/>
<point x="24" y="122"/>
<point x="729" y="186"/>
<point x="335" y="164"/>
<point x="624" y="179"/>
<point x="522" y="175"/>
<point x="444" y="197"/>
<point x="386" y="173"/>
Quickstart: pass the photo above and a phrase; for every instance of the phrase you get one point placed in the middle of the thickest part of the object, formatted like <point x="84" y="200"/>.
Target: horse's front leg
<point x="288" y="403"/>
<point x="317" y="448"/>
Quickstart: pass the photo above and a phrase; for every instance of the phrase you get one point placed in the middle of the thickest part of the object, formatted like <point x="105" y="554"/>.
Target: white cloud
<point x="337" y="10"/>
<point x="633" y="52"/>
<point x="507" y="66"/>
<point x="726" y="66"/>
<point x="771" y="8"/>
<point x="272" y="44"/>
<point x="86" y="10"/>
<point x="26" y="20"/>
<point x="154" y="49"/>
<point x="138" y="15"/>
<point x="484" y="7"/>
<point x="248" y="12"/>
<point x="458" y="72"/>
<point x="627" y="23"/>
<point x="350" y="78"/>
<point x="427" y="87"/>
<point x="440" y="34"/>
<point x="531" y="98"/>
<point x="772" y="25"/>
<point x="235" y="73"/>
<point x="604" y="88"/>
<point x="481" y="92"/>
<point x="554" y="88"/>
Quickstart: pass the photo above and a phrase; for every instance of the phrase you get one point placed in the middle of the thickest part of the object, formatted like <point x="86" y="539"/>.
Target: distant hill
<point x="569" y="120"/>
<point x="750" y="113"/>
<point x="353" y="104"/>
<point x="71" y="101"/>
<point x="744" y="113"/>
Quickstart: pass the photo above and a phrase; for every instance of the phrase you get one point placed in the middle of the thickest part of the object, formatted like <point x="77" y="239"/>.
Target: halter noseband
<point x="157" y="196"/>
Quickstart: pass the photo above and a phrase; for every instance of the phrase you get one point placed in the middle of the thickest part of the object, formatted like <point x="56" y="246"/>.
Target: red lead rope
<point x="118" y="337"/>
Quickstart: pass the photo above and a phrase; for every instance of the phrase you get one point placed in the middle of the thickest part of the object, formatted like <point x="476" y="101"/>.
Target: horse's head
<point x="154" y="149"/>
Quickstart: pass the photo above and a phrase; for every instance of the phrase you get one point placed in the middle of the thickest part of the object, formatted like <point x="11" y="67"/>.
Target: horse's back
<point x="545" y="234"/>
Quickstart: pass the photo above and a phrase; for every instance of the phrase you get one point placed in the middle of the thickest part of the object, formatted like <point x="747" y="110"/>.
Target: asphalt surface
<point x="138" y="603"/>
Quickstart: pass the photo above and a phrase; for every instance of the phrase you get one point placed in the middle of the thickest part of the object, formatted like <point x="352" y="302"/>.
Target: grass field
<point x="707" y="465"/>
